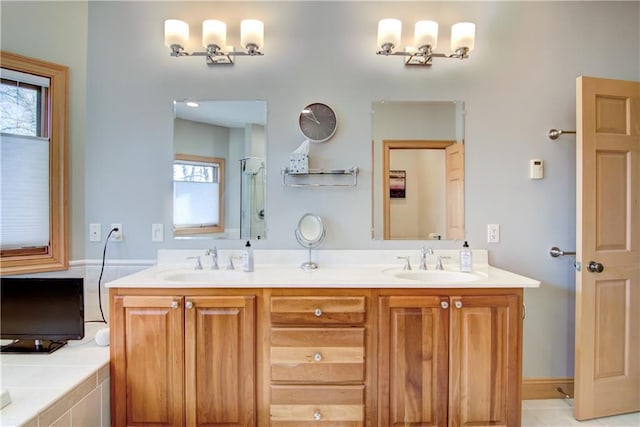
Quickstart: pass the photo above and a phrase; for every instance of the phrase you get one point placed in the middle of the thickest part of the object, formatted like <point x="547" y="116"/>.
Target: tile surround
<point x="66" y="388"/>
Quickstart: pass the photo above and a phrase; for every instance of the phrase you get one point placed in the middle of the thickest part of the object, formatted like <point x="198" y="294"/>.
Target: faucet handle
<point x="230" y="263"/>
<point x="198" y="262"/>
<point x="439" y="262"/>
<point x="407" y="264"/>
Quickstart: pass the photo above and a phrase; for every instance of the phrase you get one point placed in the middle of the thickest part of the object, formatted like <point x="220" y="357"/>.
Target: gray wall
<point x="518" y="83"/>
<point x="57" y="32"/>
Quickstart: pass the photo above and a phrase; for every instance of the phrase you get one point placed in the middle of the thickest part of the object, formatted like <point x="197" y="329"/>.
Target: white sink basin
<point x="434" y="276"/>
<point x="204" y="276"/>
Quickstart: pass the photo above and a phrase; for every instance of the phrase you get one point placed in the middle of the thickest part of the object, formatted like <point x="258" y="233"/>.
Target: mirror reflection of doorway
<point x="417" y="173"/>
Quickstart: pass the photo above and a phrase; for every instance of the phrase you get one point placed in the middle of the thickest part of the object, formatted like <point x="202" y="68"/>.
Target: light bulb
<point x="175" y="32"/>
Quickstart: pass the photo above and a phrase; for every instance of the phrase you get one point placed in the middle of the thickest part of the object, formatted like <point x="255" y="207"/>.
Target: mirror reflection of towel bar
<point x="556" y="252"/>
<point x="555" y="133"/>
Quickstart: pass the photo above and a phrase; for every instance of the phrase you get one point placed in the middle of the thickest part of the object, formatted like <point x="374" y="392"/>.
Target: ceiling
<point x="231" y="114"/>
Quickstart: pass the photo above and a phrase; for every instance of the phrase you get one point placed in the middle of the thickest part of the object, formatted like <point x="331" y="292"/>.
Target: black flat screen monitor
<point x="40" y="314"/>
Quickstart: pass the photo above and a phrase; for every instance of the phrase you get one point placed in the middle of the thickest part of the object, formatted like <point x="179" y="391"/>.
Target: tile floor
<point x="559" y="413"/>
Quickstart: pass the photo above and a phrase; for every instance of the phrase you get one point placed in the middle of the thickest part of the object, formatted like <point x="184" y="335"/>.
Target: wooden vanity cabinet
<point x="296" y="357"/>
<point x="450" y="359"/>
<point x="181" y="359"/>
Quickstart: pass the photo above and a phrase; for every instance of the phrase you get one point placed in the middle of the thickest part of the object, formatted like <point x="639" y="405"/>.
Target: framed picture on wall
<point x="397" y="184"/>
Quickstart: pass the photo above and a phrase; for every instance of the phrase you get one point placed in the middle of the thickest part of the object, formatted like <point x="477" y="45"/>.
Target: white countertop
<point x="337" y="269"/>
<point x="36" y="381"/>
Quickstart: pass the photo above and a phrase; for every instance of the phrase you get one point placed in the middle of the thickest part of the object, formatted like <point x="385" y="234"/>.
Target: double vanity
<point x="360" y="341"/>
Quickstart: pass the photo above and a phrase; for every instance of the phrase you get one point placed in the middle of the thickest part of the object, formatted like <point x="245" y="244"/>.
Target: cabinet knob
<point x="317" y="357"/>
<point x="174" y="304"/>
<point x="444" y="304"/>
<point x="458" y="304"/>
<point x="318" y="312"/>
<point x="317" y="415"/>
<point x="189" y="304"/>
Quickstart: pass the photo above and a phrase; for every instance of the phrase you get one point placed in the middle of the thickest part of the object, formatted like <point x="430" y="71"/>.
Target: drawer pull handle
<point x="444" y="304"/>
<point x="174" y="304"/>
<point x="317" y="357"/>
<point x="458" y="304"/>
<point x="189" y="304"/>
<point x="317" y="415"/>
<point x="318" y="312"/>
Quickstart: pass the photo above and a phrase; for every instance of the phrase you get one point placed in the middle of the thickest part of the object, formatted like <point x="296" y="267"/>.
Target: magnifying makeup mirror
<point x="310" y="233"/>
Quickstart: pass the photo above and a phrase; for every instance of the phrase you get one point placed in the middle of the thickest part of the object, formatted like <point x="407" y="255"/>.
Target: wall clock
<point x="318" y="122"/>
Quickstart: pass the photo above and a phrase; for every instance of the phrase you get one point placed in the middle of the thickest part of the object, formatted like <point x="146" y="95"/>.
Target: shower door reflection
<point x="252" y="200"/>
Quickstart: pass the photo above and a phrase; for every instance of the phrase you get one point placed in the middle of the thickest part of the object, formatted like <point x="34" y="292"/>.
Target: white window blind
<point x="196" y="192"/>
<point x="24" y="175"/>
<point x="17" y="76"/>
<point x="195" y="204"/>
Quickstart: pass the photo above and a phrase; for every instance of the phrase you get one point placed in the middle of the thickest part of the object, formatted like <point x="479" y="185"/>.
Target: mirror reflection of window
<point x="198" y="186"/>
<point x="234" y="131"/>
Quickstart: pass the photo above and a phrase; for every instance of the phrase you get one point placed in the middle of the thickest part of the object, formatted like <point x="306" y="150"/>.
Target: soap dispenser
<point x="247" y="258"/>
<point x="466" y="262"/>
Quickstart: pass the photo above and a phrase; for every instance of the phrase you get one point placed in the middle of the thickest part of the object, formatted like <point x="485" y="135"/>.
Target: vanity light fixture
<point x="426" y="39"/>
<point x="214" y="39"/>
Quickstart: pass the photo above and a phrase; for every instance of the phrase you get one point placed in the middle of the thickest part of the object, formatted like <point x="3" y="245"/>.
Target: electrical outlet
<point x="157" y="232"/>
<point x="117" y="235"/>
<point x="94" y="232"/>
<point x="493" y="233"/>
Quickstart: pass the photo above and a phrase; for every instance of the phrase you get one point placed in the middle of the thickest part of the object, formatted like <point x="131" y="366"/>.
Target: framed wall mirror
<point x="418" y="170"/>
<point x="219" y="169"/>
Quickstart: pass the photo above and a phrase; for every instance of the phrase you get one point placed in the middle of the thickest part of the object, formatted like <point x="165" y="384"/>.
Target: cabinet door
<point x="147" y="361"/>
<point x="485" y="361"/>
<point x="220" y="362"/>
<point x="412" y="376"/>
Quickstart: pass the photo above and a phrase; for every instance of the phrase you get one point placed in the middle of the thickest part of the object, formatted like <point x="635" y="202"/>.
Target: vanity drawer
<point x="318" y="355"/>
<point x="339" y="406"/>
<point x="318" y="310"/>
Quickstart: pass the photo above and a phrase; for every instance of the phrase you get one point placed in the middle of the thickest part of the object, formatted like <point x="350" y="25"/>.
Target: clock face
<point x="318" y="122"/>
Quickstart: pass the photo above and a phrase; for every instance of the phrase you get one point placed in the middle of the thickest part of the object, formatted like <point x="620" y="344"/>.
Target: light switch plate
<point x="157" y="232"/>
<point x="94" y="232"/>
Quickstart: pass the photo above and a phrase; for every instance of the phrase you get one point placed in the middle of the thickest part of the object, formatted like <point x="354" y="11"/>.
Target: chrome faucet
<point x="423" y="257"/>
<point x="407" y="264"/>
<point x="214" y="257"/>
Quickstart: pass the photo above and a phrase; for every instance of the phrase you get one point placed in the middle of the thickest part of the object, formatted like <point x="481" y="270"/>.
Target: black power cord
<point x="104" y="256"/>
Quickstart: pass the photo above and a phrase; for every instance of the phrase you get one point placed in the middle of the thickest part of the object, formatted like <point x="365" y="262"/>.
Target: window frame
<point x="217" y="228"/>
<point x="56" y="255"/>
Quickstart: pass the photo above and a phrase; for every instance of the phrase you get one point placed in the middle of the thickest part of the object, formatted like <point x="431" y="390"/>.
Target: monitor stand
<point x="32" y="346"/>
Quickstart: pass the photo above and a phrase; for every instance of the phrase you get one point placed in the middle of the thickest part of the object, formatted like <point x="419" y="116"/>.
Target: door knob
<point x="595" y="267"/>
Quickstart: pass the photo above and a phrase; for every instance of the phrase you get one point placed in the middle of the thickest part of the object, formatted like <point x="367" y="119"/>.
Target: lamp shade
<point x="175" y="32"/>
<point x="426" y="34"/>
<point x="251" y="32"/>
<point x="389" y="31"/>
<point x="214" y="32"/>
<point x="463" y="34"/>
